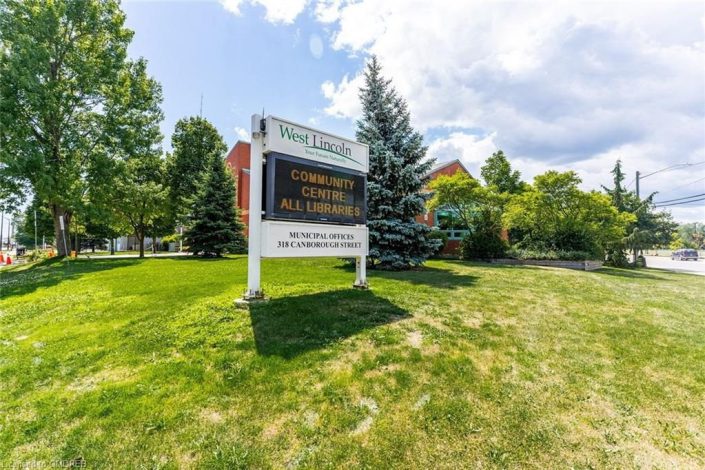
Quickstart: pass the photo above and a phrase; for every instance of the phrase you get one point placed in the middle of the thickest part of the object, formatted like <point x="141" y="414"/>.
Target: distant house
<point x="444" y="219"/>
<point x="238" y="160"/>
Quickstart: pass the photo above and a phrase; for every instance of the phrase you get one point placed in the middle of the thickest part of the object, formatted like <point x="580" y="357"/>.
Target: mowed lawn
<point x="148" y="364"/>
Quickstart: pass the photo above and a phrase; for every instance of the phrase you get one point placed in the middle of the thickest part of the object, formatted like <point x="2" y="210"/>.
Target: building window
<point x="447" y="221"/>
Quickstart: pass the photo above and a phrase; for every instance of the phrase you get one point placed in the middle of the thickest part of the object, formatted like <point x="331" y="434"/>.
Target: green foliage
<point x="216" y="227"/>
<point x="58" y="66"/>
<point x="562" y="255"/>
<point x="25" y="227"/>
<point x="646" y="228"/>
<point x="497" y="173"/>
<point x="483" y="244"/>
<point x="459" y="193"/>
<point x="396" y="178"/>
<point x="438" y="235"/>
<point x="689" y="236"/>
<point x="196" y="143"/>
<point x="485" y="240"/>
<point x="137" y="192"/>
<point x="478" y="208"/>
<point x="616" y="256"/>
<point x="554" y="214"/>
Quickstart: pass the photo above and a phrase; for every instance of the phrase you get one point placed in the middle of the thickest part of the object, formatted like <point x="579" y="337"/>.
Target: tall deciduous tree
<point x="216" y="227"/>
<point x="498" y="173"/>
<point x="58" y="63"/>
<point x="554" y="214"/>
<point x="397" y="176"/>
<point x="137" y="190"/>
<point x="196" y="143"/>
<point x="459" y="193"/>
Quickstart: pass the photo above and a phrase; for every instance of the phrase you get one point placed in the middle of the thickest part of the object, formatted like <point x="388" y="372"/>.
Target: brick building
<point x="442" y="219"/>
<point x="238" y="160"/>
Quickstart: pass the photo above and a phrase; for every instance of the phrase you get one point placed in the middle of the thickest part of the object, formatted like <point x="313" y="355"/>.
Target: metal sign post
<point x="254" y="241"/>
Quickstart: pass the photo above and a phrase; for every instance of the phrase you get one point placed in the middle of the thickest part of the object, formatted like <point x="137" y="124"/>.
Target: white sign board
<point x="297" y="239"/>
<point x="303" y="142"/>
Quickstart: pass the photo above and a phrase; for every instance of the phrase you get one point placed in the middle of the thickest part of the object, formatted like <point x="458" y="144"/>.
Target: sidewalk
<point x="124" y="256"/>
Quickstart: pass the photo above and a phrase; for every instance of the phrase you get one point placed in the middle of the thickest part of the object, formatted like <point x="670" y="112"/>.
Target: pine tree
<point x="619" y="193"/>
<point x="396" y="177"/>
<point x="216" y="227"/>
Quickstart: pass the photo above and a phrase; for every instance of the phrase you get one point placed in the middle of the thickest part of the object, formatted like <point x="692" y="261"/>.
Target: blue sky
<point x="241" y="64"/>
<point x="555" y="85"/>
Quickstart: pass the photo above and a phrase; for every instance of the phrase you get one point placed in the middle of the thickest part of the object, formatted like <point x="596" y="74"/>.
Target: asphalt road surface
<point x="665" y="262"/>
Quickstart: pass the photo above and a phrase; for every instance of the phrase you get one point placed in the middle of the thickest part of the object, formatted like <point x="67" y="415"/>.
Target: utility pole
<point x="35" y="230"/>
<point x="637" y="184"/>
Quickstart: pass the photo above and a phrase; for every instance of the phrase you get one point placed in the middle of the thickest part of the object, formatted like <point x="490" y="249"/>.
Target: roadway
<point x="665" y="262"/>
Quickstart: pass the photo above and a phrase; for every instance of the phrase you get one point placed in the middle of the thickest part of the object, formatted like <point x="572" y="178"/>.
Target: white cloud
<point x="344" y="99"/>
<point x="555" y="85"/>
<point x="233" y="6"/>
<point x="328" y="11"/>
<point x="472" y="150"/>
<point x="242" y="134"/>
<point x="276" y="11"/>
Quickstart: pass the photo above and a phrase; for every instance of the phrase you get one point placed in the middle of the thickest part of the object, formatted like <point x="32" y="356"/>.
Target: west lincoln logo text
<point x="317" y="142"/>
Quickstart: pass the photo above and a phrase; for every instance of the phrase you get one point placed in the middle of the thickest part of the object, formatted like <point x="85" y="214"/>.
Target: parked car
<point x="684" y="254"/>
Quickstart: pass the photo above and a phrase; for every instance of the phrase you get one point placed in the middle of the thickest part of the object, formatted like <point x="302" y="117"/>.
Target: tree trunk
<point x="60" y="235"/>
<point x="140" y="237"/>
<point x="112" y="246"/>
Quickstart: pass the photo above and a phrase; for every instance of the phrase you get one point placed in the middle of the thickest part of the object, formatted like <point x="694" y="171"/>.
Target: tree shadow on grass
<point x="291" y="326"/>
<point x="424" y="275"/>
<point x="633" y="273"/>
<point x="53" y="271"/>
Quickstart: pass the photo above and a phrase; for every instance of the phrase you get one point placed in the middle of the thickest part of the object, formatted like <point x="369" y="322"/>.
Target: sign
<point x="303" y="190"/>
<point x="294" y="240"/>
<point x="300" y="141"/>
<point x="317" y="182"/>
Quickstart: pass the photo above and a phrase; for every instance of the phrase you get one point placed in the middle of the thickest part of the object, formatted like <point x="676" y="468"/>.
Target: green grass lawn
<point x="147" y="364"/>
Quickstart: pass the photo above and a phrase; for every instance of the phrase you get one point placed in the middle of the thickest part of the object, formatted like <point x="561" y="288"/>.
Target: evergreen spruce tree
<point x="396" y="178"/>
<point x="215" y="226"/>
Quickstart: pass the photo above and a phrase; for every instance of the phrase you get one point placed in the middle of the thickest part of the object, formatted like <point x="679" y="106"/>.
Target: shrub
<point x="617" y="258"/>
<point x="36" y="255"/>
<point x="562" y="255"/>
<point x="483" y="244"/>
<point x="438" y="235"/>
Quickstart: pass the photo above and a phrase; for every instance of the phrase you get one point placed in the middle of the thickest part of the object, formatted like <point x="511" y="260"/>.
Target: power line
<point x="677" y="166"/>
<point x="683" y="202"/>
<point x="684" y="185"/>
<point x="680" y="198"/>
